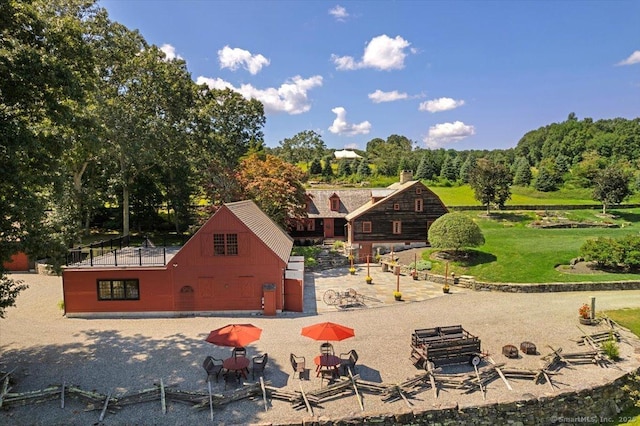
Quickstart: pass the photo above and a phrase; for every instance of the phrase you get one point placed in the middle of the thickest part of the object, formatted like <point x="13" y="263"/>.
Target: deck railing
<point x="116" y="252"/>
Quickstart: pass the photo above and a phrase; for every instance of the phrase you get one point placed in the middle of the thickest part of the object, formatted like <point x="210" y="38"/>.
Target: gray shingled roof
<point x="393" y="189"/>
<point x="350" y="200"/>
<point x="263" y="227"/>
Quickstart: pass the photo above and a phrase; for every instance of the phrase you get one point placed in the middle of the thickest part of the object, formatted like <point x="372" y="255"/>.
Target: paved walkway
<point x="377" y="294"/>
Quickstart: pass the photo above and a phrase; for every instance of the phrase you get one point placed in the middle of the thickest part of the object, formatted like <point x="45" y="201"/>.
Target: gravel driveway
<point x="126" y="355"/>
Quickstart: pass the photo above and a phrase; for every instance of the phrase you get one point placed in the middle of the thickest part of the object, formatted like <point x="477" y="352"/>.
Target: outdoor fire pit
<point x="528" y="348"/>
<point x="510" y="351"/>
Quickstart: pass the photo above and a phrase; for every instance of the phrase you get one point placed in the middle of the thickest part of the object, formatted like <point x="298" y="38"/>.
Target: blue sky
<point x="453" y="74"/>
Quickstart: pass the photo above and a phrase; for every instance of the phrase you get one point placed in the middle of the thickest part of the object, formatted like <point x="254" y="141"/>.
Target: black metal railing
<point x="128" y="256"/>
<point x="115" y="252"/>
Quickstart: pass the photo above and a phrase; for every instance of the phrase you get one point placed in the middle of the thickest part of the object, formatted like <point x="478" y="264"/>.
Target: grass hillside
<point x="463" y="196"/>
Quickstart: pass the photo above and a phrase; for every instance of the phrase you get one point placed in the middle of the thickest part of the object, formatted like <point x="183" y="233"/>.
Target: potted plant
<point x="368" y="279"/>
<point x="584" y="313"/>
<point x="397" y="295"/>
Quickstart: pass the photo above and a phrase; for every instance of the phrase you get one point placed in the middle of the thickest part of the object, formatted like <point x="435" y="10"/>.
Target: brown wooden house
<point x="239" y="260"/>
<point x="398" y="214"/>
<point x="403" y="215"/>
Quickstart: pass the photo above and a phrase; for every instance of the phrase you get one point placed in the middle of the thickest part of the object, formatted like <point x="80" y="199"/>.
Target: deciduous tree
<point x="611" y="186"/>
<point x="276" y="187"/>
<point x="491" y="183"/>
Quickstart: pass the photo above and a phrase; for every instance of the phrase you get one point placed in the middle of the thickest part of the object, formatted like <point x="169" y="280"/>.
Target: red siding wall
<point x="18" y="262"/>
<point x="81" y="290"/>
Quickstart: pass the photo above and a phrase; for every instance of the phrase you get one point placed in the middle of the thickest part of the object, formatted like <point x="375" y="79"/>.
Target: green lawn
<point x="515" y="253"/>
<point x="628" y="318"/>
<point x="464" y="196"/>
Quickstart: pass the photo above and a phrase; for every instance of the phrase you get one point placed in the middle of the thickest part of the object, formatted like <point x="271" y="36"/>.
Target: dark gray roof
<point x="263" y="227"/>
<point x="350" y="200"/>
<point x="393" y="189"/>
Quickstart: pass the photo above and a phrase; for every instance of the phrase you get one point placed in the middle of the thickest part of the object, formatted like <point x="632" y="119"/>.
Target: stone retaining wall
<point x="584" y="407"/>
<point x="470" y="282"/>
<point x="546" y="287"/>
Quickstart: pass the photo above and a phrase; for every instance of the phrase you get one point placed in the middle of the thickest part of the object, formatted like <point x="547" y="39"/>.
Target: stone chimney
<point x="406" y="176"/>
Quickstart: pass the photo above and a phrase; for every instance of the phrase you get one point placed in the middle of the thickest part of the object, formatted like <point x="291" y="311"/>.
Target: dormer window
<point x="334" y="203"/>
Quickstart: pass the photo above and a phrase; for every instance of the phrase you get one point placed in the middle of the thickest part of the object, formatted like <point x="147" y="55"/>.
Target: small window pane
<point x="232" y="244"/>
<point x="118" y="290"/>
<point x="218" y="244"/>
<point x="132" y="290"/>
<point x="104" y="290"/>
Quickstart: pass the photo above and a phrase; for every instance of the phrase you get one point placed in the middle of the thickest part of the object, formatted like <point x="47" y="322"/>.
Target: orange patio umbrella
<point x="328" y="331"/>
<point x="234" y="335"/>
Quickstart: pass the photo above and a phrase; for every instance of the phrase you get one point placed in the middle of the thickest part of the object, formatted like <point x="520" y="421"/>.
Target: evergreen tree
<point x="427" y="168"/>
<point x="344" y="167"/>
<point x="466" y="167"/>
<point x="449" y="169"/>
<point x="522" y="175"/>
<point x="363" y="168"/>
<point x="327" y="171"/>
<point x="546" y="181"/>
<point x="316" y="167"/>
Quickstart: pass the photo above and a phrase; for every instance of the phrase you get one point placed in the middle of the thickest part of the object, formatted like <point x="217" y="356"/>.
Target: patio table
<point x="327" y="363"/>
<point x="238" y="364"/>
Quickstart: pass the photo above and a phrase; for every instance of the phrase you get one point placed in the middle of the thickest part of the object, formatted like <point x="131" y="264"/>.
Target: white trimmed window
<point x="397" y="227"/>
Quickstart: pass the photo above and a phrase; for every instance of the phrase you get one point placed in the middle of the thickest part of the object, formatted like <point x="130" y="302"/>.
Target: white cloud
<point x="379" y="96"/>
<point x="634" y="58"/>
<point x="351" y="146"/>
<point x="443" y="133"/>
<point x="341" y="127"/>
<point x="440" y="104"/>
<point x="234" y="58"/>
<point x="339" y="12"/>
<point x="382" y="52"/>
<point x="215" y="83"/>
<point x="170" y="52"/>
<point x="291" y="97"/>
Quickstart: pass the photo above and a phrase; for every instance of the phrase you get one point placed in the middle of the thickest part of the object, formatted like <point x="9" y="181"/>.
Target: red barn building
<point x="19" y="262"/>
<point x="239" y="260"/>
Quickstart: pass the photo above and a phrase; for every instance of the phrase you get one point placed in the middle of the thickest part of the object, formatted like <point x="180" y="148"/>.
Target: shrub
<point x="421" y="265"/>
<point x="613" y="253"/>
<point x="611" y="349"/>
<point x="455" y="231"/>
<point x="338" y="245"/>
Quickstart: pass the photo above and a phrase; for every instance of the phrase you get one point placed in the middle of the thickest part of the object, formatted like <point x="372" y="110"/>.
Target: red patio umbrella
<point x="328" y="331"/>
<point x="235" y="335"/>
